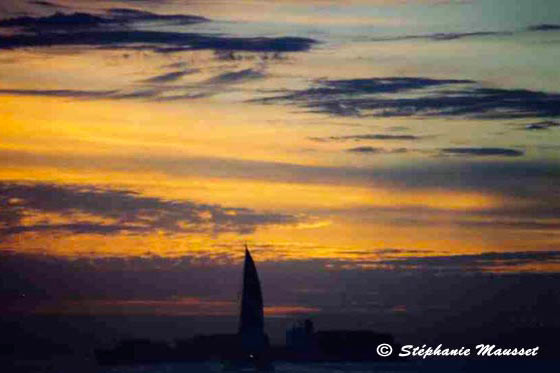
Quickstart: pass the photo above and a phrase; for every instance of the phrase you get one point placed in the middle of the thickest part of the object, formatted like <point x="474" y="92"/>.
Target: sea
<point x="378" y="367"/>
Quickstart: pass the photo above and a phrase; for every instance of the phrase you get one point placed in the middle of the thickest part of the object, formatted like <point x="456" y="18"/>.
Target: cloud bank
<point x="86" y="209"/>
<point x="419" y="97"/>
<point x="118" y="29"/>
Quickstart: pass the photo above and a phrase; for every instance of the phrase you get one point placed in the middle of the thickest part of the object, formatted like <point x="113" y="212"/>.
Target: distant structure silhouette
<point x="300" y="337"/>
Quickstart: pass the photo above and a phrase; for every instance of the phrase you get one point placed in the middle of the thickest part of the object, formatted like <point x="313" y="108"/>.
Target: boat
<point x="254" y="352"/>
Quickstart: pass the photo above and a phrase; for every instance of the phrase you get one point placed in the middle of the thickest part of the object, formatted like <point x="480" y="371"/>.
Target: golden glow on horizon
<point x="158" y="150"/>
<point x="330" y="237"/>
<point x="185" y="306"/>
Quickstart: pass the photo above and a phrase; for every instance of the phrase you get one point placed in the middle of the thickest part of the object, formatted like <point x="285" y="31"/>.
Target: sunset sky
<point x="360" y="148"/>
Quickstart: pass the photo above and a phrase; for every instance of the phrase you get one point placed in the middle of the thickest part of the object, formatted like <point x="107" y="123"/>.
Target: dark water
<point x="409" y="367"/>
<point x="417" y="366"/>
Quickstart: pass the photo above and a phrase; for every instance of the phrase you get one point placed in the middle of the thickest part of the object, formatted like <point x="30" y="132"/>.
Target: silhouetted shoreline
<point x="323" y="346"/>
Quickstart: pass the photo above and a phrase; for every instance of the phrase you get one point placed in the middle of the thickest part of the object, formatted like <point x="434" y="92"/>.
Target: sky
<point x="379" y="158"/>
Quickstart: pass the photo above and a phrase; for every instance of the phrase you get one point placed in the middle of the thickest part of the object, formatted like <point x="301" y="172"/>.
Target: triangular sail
<point x="251" y="323"/>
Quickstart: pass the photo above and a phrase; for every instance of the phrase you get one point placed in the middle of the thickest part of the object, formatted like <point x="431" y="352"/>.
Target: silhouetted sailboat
<point x="251" y="321"/>
<point x="253" y="339"/>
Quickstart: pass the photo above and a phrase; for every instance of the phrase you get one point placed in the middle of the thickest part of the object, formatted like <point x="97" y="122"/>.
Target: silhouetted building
<point x="300" y="336"/>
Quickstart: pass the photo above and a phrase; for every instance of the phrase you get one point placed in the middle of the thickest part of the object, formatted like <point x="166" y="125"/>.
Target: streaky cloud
<point x="134" y="15"/>
<point x="170" y="77"/>
<point x="544" y="125"/>
<point x="527" y="179"/>
<point x="376" y="136"/>
<point x="121" y="210"/>
<point x="373" y="150"/>
<point x="75" y="228"/>
<point x="231" y="77"/>
<point x="545" y="27"/>
<point x="83" y="94"/>
<point x="60" y="21"/>
<point x="151" y="94"/>
<point x="115" y="29"/>
<point x="477" y="262"/>
<point x="365" y="149"/>
<point x="483" y="152"/>
<point x="151" y="277"/>
<point x="380" y="85"/>
<point x="419" y="97"/>
<point x="70" y="93"/>
<point x="116" y="18"/>
<point x="443" y="36"/>
<point x="47" y="4"/>
<point x="163" y="42"/>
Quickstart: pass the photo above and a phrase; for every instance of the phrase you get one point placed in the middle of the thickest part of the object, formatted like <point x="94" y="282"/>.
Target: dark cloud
<point x="483" y="152"/>
<point x="212" y="86"/>
<point x="47" y="4"/>
<point x="164" y="42"/>
<point x="544" y="27"/>
<point x="477" y="262"/>
<point x="141" y="1"/>
<point x="366" y="137"/>
<point x="124" y="15"/>
<point x="372" y="150"/>
<point x="136" y="94"/>
<point x="461" y="35"/>
<point x="75" y="228"/>
<point x="57" y="21"/>
<point x="394" y="251"/>
<point x="544" y="125"/>
<point x="398" y="128"/>
<point x="156" y="90"/>
<point x="483" y="304"/>
<point x="377" y="85"/>
<point x="208" y="275"/>
<point x="506" y="223"/>
<point x="113" y="19"/>
<point x="120" y="210"/>
<point x="377" y="97"/>
<point x="90" y="95"/>
<point x="445" y="36"/>
<point x="232" y="77"/>
<point x="182" y="96"/>
<point x="170" y="77"/>
<point x="423" y="284"/>
<point x="366" y="149"/>
<point x="113" y="277"/>
<point x="520" y="179"/>
<point x="176" y="65"/>
<point x="526" y="186"/>
<point x="225" y="55"/>
<point x="71" y="93"/>
<point x="115" y="29"/>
